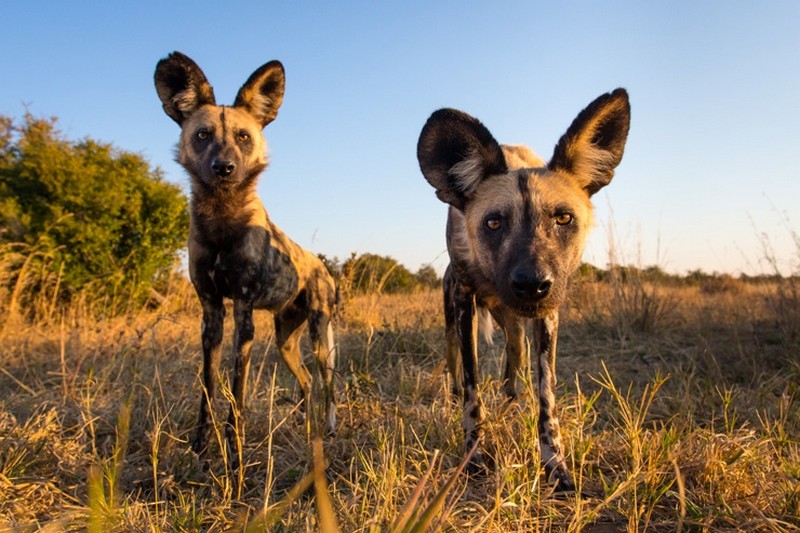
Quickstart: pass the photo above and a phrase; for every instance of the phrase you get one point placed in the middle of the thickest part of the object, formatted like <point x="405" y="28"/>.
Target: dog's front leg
<point x="242" y="341"/>
<point x="468" y="338"/>
<point x="450" y="287"/>
<point x="555" y="464"/>
<point x="516" y="349"/>
<point x="213" y="319"/>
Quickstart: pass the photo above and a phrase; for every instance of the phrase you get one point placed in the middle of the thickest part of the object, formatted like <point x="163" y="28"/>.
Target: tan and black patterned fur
<point x="235" y="251"/>
<point x="516" y="229"/>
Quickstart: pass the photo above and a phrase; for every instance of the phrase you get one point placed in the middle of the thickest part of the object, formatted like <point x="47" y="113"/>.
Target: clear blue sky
<point x="712" y="161"/>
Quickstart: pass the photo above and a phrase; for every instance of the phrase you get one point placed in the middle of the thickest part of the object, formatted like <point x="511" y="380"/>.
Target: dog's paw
<point x="564" y="482"/>
<point x="479" y="466"/>
<point x="563" y="486"/>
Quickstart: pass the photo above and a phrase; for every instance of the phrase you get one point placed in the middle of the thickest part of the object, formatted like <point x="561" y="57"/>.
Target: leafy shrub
<point x="371" y="273"/>
<point x="99" y="221"/>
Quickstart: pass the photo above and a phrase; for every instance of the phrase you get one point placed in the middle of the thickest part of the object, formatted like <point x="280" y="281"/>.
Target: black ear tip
<point x="620" y="94"/>
<point x="175" y="57"/>
<point x="178" y="61"/>
<point x="271" y="77"/>
<point x="274" y="68"/>
<point x="445" y="113"/>
<point x="277" y="65"/>
<point x="449" y="115"/>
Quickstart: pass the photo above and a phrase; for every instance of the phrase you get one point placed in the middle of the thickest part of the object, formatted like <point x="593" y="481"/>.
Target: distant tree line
<point x="371" y="273"/>
<point x="709" y="282"/>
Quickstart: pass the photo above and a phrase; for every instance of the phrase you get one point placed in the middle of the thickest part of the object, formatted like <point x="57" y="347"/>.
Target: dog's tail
<point x="486" y="325"/>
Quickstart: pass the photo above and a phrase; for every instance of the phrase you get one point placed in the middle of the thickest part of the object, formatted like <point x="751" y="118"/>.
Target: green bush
<point x="371" y="273"/>
<point x="82" y="218"/>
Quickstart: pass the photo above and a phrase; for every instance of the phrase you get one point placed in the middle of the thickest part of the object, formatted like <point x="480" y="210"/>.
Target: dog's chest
<point x="251" y="268"/>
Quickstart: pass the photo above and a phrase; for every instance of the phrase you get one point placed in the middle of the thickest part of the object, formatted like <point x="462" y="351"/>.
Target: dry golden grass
<point x="679" y="409"/>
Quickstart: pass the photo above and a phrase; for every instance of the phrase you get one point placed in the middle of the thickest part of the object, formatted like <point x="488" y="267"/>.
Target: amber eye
<point x="244" y="136"/>
<point x="493" y="224"/>
<point x="562" y="219"/>
<point x="202" y="135"/>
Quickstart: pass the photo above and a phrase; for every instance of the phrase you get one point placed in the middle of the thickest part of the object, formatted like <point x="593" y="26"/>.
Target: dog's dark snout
<point x="222" y="167"/>
<point x="529" y="285"/>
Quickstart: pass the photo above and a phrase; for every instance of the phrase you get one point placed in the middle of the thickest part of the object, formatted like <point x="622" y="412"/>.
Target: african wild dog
<point x="235" y="251"/>
<point x="515" y="234"/>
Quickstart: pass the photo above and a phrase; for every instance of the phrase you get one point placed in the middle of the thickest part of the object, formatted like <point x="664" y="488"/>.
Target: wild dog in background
<point x="235" y="251"/>
<point x="516" y="229"/>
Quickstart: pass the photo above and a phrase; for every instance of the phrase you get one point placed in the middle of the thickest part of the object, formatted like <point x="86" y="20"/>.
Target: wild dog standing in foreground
<point x="235" y="251"/>
<point x="516" y="228"/>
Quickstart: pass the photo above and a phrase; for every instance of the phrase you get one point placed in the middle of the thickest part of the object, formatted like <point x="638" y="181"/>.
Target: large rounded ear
<point x="592" y="147"/>
<point x="182" y="86"/>
<point x="262" y="93"/>
<point x="455" y="153"/>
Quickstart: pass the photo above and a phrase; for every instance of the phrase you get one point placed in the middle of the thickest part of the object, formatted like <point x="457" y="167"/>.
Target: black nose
<point x="529" y="285"/>
<point x="222" y="168"/>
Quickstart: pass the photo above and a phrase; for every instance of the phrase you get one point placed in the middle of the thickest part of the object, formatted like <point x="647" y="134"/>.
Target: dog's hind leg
<point x="324" y="347"/>
<point x="322" y="299"/>
<point x="213" y="320"/>
<point x="329" y="354"/>
<point x="555" y="464"/>
<point x="288" y="330"/>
